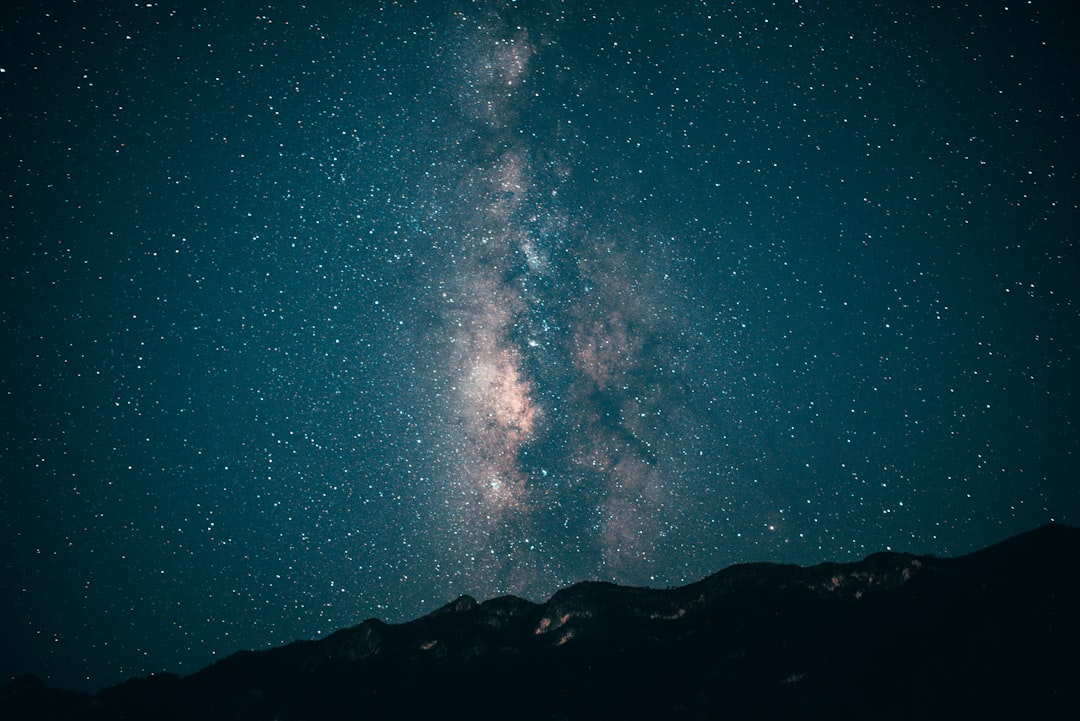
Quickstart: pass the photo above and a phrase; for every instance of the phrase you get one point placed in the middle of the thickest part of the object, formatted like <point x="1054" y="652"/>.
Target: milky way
<point x="553" y="338"/>
<point x="332" y="311"/>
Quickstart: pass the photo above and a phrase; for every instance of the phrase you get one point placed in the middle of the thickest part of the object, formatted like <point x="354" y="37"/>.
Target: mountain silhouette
<point x="894" y="636"/>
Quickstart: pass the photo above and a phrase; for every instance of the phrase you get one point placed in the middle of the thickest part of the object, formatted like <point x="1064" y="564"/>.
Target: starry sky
<point x="318" y="312"/>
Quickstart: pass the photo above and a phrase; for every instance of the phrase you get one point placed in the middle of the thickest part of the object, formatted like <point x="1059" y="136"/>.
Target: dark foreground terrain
<point x="993" y="634"/>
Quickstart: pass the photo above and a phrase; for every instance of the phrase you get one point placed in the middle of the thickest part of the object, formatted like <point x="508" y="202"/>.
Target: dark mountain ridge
<point x="892" y="636"/>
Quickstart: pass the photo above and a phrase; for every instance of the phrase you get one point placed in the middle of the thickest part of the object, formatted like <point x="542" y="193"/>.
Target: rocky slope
<point x="892" y="636"/>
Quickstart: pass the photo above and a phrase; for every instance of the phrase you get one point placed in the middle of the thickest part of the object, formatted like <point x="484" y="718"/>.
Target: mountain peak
<point x="458" y="605"/>
<point x="892" y="635"/>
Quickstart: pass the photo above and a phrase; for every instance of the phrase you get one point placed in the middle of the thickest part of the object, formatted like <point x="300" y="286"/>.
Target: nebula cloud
<point x="553" y="327"/>
<point x="493" y="410"/>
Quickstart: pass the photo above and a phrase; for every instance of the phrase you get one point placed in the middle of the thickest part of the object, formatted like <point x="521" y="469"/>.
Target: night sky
<point x="314" y="313"/>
